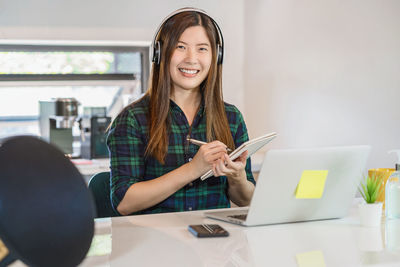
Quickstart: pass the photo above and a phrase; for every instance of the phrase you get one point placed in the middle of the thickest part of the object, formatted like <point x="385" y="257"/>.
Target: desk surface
<point x="163" y="240"/>
<point x="90" y="167"/>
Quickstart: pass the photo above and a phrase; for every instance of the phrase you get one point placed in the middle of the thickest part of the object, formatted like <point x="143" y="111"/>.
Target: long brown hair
<point x="217" y="126"/>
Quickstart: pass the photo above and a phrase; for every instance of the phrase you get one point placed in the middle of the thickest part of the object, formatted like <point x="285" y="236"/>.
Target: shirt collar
<point x="174" y="107"/>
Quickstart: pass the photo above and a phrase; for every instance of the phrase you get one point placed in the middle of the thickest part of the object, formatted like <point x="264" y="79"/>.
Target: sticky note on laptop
<point x="310" y="259"/>
<point x="311" y="184"/>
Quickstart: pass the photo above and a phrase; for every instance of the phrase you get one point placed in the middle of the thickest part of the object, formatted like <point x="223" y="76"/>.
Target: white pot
<point x="370" y="214"/>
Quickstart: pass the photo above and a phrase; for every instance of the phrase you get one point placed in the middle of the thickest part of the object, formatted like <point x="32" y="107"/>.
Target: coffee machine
<point x="57" y="119"/>
<point x="94" y="124"/>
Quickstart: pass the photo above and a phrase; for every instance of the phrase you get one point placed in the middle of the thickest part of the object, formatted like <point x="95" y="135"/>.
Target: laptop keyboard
<point x="239" y="216"/>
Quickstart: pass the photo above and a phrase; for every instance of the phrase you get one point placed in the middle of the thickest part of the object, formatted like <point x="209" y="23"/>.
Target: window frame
<point x="6" y="79"/>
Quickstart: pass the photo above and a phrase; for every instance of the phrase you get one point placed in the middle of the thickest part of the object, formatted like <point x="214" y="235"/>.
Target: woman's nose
<point x="191" y="55"/>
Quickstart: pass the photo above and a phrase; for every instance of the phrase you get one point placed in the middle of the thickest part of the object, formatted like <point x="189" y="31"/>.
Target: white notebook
<point x="252" y="146"/>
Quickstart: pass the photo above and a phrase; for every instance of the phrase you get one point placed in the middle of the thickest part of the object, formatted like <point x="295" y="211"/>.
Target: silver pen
<point x="200" y="143"/>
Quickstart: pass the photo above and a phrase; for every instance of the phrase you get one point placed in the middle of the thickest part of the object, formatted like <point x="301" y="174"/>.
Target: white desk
<point x="89" y="167"/>
<point x="163" y="240"/>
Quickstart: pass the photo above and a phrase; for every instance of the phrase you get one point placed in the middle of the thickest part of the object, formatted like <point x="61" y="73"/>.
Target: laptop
<point x="274" y="200"/>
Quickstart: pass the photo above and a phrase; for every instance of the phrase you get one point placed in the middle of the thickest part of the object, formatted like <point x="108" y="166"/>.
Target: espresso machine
<point x="57" y="119"/>
<point x="94" y="124"/>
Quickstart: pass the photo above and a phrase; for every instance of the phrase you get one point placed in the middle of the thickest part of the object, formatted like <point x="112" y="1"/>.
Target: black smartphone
<point x="207" y="230"/>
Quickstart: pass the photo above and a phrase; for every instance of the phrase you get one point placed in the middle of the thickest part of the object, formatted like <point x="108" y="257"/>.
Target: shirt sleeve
<point x="125" y="142"/>
<point x="240" y="137"/>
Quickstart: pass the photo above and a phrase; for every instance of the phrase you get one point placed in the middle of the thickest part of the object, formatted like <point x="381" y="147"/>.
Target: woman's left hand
<point x="234" y="170"/>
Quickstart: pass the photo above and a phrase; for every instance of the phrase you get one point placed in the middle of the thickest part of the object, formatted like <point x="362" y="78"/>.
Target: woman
<point x="154" y="168"/>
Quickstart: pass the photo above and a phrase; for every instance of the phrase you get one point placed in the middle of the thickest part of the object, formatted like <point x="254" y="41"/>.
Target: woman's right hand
<point x="207" y="155"/>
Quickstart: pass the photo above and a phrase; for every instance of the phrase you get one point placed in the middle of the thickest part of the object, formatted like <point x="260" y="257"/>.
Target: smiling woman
<point x="154" y="168"/>
<point x="191" y="61"/>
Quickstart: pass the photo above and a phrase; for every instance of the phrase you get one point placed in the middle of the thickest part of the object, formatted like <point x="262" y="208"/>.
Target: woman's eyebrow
<point x="207" y="44"/>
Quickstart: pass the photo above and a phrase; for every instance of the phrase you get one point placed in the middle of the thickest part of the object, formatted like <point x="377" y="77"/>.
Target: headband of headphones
<point x="155" y="50"/>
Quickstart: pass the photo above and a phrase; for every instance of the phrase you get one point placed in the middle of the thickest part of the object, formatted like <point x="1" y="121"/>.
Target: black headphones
<point x="155" y="50"/>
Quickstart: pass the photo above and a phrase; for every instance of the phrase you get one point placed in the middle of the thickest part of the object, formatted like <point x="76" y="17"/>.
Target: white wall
<point x="324" y="73"/>
<point x="124" y="20"/>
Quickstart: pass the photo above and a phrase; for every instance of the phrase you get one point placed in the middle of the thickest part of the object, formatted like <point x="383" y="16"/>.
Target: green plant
<point x="371" y="188"/>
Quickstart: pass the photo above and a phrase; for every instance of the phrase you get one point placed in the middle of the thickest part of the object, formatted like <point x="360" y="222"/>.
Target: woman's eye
<point x="180" y="47"/>
<point x="203" y="49"/>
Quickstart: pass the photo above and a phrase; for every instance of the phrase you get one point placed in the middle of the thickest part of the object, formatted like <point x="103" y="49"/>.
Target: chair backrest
<point x="99" y="184"/>
<point x="46" y="209"/>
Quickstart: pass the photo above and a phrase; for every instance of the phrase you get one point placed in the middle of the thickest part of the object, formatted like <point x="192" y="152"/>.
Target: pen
<point x="200" y="143"/>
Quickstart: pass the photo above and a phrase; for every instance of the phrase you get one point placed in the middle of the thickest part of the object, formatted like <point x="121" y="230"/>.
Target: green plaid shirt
<point x="127" y="141"/>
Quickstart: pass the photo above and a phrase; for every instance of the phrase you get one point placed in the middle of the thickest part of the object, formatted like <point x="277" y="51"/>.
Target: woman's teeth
<point x="189" y="71"/>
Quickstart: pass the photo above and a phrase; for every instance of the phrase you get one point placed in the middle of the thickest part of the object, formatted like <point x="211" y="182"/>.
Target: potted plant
<point x="371" y="211"/>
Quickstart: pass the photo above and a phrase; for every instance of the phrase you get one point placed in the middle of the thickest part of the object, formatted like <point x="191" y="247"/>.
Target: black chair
<point x="99" y="184"/>
<point x="46" y="209"/>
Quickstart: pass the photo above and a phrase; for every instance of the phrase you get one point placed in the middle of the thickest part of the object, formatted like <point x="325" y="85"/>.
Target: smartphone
<point x="207" y="230"/>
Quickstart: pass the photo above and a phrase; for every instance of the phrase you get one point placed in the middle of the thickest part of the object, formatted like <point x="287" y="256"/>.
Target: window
<point x="97" y="76"/>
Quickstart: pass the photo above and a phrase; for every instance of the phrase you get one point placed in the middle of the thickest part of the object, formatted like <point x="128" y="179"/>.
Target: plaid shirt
<point x="127" y="141"/>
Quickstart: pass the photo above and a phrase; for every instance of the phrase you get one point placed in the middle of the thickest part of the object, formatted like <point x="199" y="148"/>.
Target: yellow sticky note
<point x="311" y="184"/>
<point x="310" y="259"/>
<point x="101" y="245"/>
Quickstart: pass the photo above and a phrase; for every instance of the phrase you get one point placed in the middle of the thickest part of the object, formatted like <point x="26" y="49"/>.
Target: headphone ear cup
<point x="220" y="54"/>
<point x="157" y="53"/>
